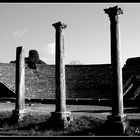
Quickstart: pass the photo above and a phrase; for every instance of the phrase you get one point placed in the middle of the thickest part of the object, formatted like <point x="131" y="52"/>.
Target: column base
<point x="60" y="120"/>
<point x="18" y="114"/>
<point x="115" y="125"/>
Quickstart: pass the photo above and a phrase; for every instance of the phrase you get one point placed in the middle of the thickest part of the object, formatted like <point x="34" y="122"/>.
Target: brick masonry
<point x="82" y="81"/>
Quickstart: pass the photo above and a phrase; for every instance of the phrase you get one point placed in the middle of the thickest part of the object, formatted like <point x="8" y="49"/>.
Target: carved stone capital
<point x="59" y="26"/>
<point x="113" y="11"/>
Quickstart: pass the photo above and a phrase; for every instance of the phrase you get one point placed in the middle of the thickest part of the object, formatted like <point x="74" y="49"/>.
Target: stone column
<point x="61" y="117"/>
<point x="118" y="116"/>
<point x="20" y="83"/>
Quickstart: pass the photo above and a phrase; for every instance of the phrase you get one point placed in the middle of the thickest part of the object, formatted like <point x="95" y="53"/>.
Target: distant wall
<point x="82" y="81"/>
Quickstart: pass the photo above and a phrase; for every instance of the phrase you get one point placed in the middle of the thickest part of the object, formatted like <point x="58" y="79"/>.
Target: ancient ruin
<point x="118" y="117"/>
<point x="61" y="117"/>
<point x="95" y="82"/>
<point x="20" y="84"/>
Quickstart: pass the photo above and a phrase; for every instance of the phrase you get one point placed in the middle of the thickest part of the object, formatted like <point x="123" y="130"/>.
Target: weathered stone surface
<point x="114" y="126"/>
<point x="20" y="82"/>
<point x="60" y="120"/>
<point x="60" y="115"/>
<point x="60" y="68"/>
<point x="117" y="87"/>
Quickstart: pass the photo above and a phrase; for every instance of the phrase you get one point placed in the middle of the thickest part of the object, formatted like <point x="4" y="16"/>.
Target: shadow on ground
<point x="83" y="124"/>
<point x="35" y="124"/>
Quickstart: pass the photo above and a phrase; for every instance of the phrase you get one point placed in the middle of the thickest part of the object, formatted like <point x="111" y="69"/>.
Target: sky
<point x="87" y="36"/>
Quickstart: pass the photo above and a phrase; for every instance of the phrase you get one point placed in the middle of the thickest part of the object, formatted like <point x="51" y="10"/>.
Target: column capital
<point x="59" y="25"/>
<point x="113" y="11"/>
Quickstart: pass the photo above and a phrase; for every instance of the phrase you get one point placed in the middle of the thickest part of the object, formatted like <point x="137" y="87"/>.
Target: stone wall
<point x="82" y="81"/>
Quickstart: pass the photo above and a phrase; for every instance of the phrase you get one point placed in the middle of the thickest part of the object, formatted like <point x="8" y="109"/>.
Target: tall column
<point x="20" y="83"/>
<point x="61" y="116"/>
<point x="117" y="116"/>
<point x="60" y="68"/>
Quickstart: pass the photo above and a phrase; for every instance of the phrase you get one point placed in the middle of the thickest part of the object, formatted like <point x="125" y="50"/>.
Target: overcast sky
<point x="87" y="36"/>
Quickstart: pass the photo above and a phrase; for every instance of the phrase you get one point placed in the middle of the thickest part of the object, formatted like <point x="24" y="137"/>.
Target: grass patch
<point x="37" y="124"/>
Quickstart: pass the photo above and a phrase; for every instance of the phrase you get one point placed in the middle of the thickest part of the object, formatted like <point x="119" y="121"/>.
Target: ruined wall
<point x="82" y="81"/>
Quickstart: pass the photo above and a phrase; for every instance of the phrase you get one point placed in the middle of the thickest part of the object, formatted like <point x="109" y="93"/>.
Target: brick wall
<point x="82" y="81"/>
